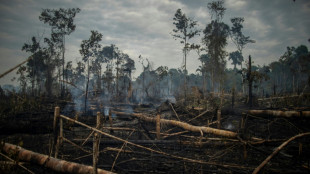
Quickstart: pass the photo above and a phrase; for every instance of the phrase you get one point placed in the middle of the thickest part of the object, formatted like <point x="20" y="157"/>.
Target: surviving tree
<point x="215" y="40"/>
<point x="90" y="49"/>
<point x="185" y="29"/>
<point x="61" y="22"/>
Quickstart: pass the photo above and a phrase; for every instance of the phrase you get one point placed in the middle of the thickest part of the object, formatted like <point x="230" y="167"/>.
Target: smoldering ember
<point x="103" y="114"/>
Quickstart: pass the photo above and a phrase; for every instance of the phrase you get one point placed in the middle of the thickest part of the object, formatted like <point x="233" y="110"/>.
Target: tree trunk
<point x="99" y="80"/>
<point x="293" y="83"/>
<point x="250" y="80"/>
<point x="63" y="66"/>
<point x="117" y="76"/>
<point x="212" y="79"/>
<point x="279" y="113"/>
<point x="86" y="91"/>
<point x="185" y="74"/>
<point x="143" y="86"/>
<point x="59" y="77"/>
<point x="203" y="84"/>
<point x="183" y="125"/>
<point x="49" y="162"/>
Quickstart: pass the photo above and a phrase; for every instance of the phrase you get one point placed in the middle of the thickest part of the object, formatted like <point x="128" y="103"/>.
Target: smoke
<point x="231" y="123"/>
<point x="169" y="98"/>
<point x="106" y="111"/>
<point x="77" y="95"/>
<point x="229" y="126"/>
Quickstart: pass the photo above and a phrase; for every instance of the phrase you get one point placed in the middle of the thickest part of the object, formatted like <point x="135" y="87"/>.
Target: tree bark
<point x="63" y="66"/>
<point x="49" y="162"/>
<point x="183" y="125"/>
<point x="86" y="92"/>
<point x="250" y="80"/>
<point x="278" y="113"/>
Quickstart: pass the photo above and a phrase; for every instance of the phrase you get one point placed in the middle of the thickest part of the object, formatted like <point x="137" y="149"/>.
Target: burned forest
<point x="83" y="101"/>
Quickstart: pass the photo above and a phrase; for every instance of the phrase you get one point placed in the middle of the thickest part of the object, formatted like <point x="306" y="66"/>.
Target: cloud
<point x="235" y="4"/>
<point x="143" y="27"/>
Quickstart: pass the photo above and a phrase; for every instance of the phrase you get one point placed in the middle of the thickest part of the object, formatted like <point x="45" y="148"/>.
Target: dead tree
<point x="184" y="125"/>
<point x="49" y="162"/>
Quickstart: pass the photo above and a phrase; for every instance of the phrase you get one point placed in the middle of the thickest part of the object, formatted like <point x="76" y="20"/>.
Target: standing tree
<point x="35" y="66"/>
<point x="215" y="39"/>
<point x="90" y="49"/>
<point x="236" y="58"/>
<point x="22" y="78"/>
<point x="252" y="75"/>
<point x="161" y="72"/>
<point x="108" y="53"/>
<point x="146" y="67"/>
<point x="119" y="60"/>
<point x="250" y="81"/>
<point x="204" y="69"/>
<point x="69" y="72"/>
<point x="185" y="29"/>
<point x="237" y="36"/>
<point x="61" y="21"/>
<point x="239" y="40"/>
<point x="51" y="60"/>
<point x="128" y="67"/>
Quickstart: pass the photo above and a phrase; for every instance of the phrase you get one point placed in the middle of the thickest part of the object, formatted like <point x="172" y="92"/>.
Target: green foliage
<point x="185" y="29"/>
<point x="90" y="48"/>
<point x="60" y="20"/>
<point x="162" y="71"/>
<point x="236" y="58"/>
<point x="215" y="40"/>
<point x="236" y="34"/>
<point x="217" y="9"/>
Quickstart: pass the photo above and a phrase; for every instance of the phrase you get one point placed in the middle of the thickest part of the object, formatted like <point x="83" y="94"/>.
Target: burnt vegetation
<point x="218" y="120"/>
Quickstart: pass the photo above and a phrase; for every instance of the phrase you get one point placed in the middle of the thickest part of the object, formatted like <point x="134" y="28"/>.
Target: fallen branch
<point x="87" y="138"/>
<point x="49" y="162"/>
<point x="20" y="165"/>
<point x="124" y="144"/>
<point x="162" y="142"/>
<point x="75" y="145"/>
<point x="12" y="69"/>
<point x="278" y="113"/>
<point x="176" y="114"/>
<point x="183" y="125"/>
<point x="199" y="115"/>
<point x="152" y="150"/>
<point x="257" y="169"/>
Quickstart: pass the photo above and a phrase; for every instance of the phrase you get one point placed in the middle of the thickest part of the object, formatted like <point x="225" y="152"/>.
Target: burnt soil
<point x="33" y="131"/>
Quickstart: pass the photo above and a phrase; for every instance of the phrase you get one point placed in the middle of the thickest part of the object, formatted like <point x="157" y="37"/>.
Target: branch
<point x="17" y="163"/>
<point x="10" y="70"/>
<point x="277" y="150"/>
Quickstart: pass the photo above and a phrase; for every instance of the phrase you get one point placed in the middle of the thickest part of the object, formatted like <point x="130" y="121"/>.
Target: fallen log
<point x="257" y="169"/>
<point x="174" y="142"/>
<point x="49" y="162"/>
<point x="279" y="113"/>
<point x="12" y="162"/>
<point x="155" y="151"/>
<point x="183" y="125"/>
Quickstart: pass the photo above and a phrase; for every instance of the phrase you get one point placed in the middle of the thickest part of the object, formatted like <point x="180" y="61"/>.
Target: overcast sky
<point x="143" y="27"/>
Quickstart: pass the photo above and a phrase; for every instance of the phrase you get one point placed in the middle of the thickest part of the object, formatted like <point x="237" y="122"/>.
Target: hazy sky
<point x="143" y="27"/>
